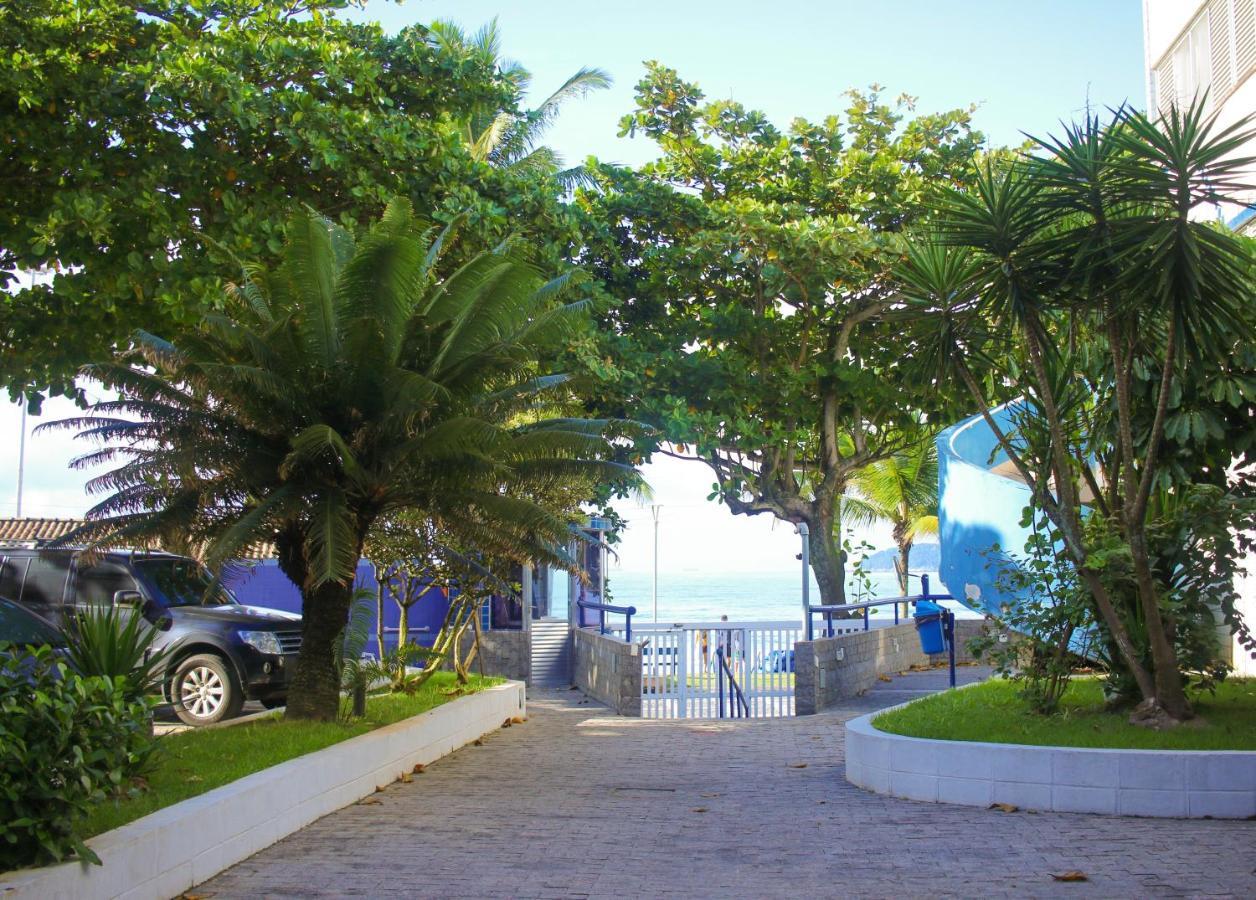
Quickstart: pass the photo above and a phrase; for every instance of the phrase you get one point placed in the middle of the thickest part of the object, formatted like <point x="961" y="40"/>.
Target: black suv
<point x="226" y="652"/>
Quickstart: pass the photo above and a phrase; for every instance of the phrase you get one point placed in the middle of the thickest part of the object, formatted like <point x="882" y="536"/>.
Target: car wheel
<point x="204" y="691"/>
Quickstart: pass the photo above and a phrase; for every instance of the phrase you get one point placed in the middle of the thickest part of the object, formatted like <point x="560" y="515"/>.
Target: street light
<point x="21" y="459"/>
<point x="654" y="510"/>
<point x="804" y="532"/>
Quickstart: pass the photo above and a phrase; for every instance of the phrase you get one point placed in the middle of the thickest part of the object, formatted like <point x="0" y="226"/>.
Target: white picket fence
<point x="680" y="676"/>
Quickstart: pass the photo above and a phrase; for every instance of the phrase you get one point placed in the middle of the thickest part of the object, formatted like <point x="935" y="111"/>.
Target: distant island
<point x="924" y="558"/>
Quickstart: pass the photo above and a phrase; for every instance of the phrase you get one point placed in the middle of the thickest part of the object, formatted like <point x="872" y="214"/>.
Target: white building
<point x="1207" y="48"/>
<point x="1204" y="48"/>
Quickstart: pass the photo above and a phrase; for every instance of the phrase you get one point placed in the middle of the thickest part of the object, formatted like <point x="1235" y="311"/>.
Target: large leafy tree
<point x="749" y="273"/>
<point x="339" y="387"/>
<point x="147" y="139"/>
<point x="1079" y="276"/>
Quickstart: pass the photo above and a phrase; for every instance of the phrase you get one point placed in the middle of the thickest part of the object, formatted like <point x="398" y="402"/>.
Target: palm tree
<point x="1089" y="248"/>
<point x="508" y="138"/>
<point x="901" y="490"/>
<point x="346" y="384"/>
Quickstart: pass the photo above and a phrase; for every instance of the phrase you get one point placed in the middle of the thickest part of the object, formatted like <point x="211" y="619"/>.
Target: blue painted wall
<point x="264" y="584"/>
<point x="977" y="511"/>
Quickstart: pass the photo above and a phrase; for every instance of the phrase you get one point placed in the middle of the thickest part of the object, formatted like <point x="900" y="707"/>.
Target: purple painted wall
<point x="264" y="584"/>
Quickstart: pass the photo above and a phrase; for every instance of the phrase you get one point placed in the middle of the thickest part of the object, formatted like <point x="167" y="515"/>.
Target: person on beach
<point x="726" y="641"/>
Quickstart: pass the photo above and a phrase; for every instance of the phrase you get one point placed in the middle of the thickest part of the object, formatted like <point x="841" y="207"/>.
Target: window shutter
<point x="1244" y="38"/>
<point x="1219" y="41"/>
<point x="1165" y="95"/>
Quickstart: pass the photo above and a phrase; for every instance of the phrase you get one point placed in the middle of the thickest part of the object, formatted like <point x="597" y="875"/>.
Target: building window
<point x="1213" y="56"/>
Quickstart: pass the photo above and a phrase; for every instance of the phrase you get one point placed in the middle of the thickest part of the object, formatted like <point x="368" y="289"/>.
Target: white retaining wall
<point x="166" y="853"/>
<point x="1158" y="783"/>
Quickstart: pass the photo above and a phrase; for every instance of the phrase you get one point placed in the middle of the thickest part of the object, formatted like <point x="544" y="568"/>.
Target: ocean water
<point x="743" y="596"/>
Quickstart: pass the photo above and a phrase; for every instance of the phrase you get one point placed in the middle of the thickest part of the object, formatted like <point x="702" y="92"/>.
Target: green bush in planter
<point x="109" y="642"/>
<point x="66" y="741"/>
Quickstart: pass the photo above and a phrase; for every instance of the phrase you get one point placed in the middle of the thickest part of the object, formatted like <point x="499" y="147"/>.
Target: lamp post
<point x="21" y="459"/>
<point x="654" y="593"/>
<point x="804" y="532"/>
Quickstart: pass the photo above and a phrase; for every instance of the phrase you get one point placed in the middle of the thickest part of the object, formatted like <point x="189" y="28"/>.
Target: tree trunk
<point x="403" y="624"/>
<point x="826" y="562"/>
<point x="1170" y="693"/>
<point x="903" y="567"/>
<point x="314" y="688"/>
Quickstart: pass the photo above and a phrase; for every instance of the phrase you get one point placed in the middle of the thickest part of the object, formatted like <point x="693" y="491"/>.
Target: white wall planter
<point x="169" y="851"/>
<point x="1158" y="783"/>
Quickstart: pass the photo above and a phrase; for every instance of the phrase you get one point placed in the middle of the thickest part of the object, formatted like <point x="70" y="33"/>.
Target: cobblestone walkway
<point x="578" y="803"/>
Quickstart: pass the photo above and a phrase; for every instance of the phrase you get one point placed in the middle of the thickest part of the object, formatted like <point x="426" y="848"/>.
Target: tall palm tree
<point x="345" y="384"/>
<point x="510" y="138"/>
<point x="901" y="490"/>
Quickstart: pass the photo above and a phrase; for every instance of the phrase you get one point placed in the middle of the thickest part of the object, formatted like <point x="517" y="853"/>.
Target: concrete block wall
<point x="506" y="654"/>
<point x="607" y="669"/>
<point x="829" y="670"/>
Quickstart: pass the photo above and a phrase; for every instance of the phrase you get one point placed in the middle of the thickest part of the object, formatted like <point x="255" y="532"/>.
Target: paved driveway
<point x="578" y="803"/>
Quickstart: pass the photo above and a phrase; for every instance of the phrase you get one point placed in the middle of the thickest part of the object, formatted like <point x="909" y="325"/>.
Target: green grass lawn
<point x="995" y="712"/>
<point x="193" y="762"/>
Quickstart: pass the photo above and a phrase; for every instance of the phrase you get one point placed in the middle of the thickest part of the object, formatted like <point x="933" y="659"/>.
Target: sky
<point x="1025" y="65"/>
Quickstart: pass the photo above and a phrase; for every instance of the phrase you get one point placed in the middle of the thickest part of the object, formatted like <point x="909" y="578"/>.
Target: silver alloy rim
<point x="201" y="692"/>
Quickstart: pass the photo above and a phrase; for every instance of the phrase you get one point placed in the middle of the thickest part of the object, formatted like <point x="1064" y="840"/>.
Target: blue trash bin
<point x="930" y="627"/>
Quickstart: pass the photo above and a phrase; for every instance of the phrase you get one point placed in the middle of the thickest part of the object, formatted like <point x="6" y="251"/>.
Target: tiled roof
<point x="29" y="532"/>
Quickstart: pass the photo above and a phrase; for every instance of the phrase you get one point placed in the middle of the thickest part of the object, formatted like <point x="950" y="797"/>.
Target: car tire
<point x="204" y="690"/>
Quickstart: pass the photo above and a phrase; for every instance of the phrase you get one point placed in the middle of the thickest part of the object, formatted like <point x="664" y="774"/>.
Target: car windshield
<point x="17" y="626"/>
<point x="183" y="582"/>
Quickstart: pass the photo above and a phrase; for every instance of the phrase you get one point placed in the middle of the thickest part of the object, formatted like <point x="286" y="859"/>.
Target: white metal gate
<point x="679" y="667"/>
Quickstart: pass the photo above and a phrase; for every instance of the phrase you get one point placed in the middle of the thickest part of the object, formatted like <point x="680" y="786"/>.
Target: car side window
<point x="96" y="584"/>
<point x="20" y="627"/>
<point x="12" y="571"/>
<point x="44" y="587"/>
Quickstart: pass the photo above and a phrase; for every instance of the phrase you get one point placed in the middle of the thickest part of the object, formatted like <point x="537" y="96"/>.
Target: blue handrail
<point x="736" y="699"/>
<point x="948" y="617"/>
<point x="626" y="611"/>
<point x="828" y="611"/>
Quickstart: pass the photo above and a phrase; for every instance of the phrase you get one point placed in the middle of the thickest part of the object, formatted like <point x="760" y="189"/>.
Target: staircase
<point x="551" y="654"/>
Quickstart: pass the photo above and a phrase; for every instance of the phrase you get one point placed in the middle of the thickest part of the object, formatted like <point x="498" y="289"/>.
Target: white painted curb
<point x="166" y="853"/>
<point x="1194" y="784"/>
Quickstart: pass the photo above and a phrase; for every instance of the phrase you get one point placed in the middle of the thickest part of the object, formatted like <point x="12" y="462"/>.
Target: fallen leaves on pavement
<point x="1070" y="876"/>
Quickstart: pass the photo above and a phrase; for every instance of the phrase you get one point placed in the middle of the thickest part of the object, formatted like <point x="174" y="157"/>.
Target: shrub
<point x="1050" y="621"/>
<point x="111" y="643"/>
<point x="67" y="741"/>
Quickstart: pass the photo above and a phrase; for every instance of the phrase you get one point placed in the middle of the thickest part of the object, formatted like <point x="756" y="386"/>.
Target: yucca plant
<point x="1074" y="274"/>
<point x="109" y="642"/>
<point x="349" y="382"/>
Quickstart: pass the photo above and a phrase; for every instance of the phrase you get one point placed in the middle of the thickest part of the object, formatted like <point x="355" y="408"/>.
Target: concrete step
<point x="551" y="654"/>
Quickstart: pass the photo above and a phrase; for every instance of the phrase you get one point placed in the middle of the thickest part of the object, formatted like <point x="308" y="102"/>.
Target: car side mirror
<point x="128" y="599"/>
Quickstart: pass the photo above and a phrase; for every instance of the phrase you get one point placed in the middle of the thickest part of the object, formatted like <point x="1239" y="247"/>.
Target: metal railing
<point x="739" y="708"/>
<point x="603" y="608"/>
<point x="948" y="617"/>
<point x="829" y="611"/>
